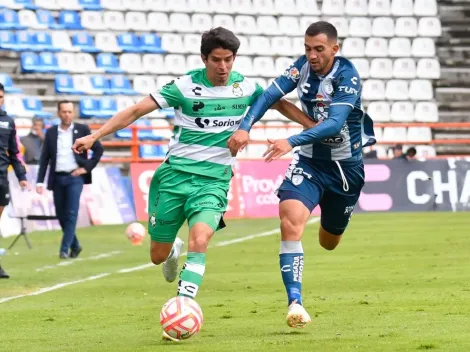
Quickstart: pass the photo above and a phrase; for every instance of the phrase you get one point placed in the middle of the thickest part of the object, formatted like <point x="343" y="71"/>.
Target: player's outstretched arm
<point x="293" y="113"/>
<point x="119" y="121"/>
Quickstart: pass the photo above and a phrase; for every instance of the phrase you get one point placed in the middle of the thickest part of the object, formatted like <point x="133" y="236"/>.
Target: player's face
<point x="219" y="65"/>
<point x="2" y="97"/>
<point x="66" y="113"/>
<point x="320" y="52"/>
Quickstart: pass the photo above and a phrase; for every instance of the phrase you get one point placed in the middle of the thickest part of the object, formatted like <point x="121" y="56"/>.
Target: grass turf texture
<point x="397" y="282"/>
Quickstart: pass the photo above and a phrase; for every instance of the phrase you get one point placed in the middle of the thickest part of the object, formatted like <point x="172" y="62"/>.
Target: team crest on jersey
<point x="320" y="111"/>
<point x="292" y="73"/>
<point x="328" y="86"/>
<point x="297" y="179"/>
<point x="237" y="90"/>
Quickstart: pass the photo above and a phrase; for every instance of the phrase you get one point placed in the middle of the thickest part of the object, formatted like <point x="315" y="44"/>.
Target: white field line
<point x="144" y="266"/>
<point x="70" y="262"/>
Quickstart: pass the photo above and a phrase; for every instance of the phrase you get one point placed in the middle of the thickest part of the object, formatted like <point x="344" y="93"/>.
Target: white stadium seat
<point x="220" y="6"/>
<point x="428" y="68"/>
<point x="332" y="7"/>
<point x="404" y="68"/>
<point x="264" y="7"/>
<point x="243" y="7"/>
<point x="426" y="112"/>
<point x="29" y="19"/>
<point x="173" y="43"/>
<point x="383" y="27"/>
<point x="144" y="85"/>
<point x="396" y="89"/>
<point x="425" y="151"/>
<point x="93" y="20"/>
<point x="353" y="47"/>
<point x="406" y="27"/>
<point x="268" y="25"/>
<point x="261" y="82"/>
<point x="134" y="5"/>
<point x="289" y="25"/>
<point x="153" y="63"/>
<point x="83" y="84"/>
<point x="373" y="89"/>
<point x="158" y="22"/>
<point x="362" y="66"/>
<point x="399" y="47"/>
<point x="419" y="134"/>
<point x="125" y="102"/>
<point x="244" y="46"/>
<point x="425" y="8"/>
<point x="264" y="66"/>
<point x="111" y="5"/>
<point x="244" y="64"/>
<point x="281" y="45"/>
<point x="381" y="68"/>
<point x="402" y="111"/>
<point x="376" y="47"/>
<point x="306" y="21"/>
<point x="193" y="62"/>
<point x="61" y="39"/>
<point x="200" y="6"/>
<point x="48" y="4"/>
<point x="136" y="21"/>
<point x="421" y="89"/>
<point x="114" y="20"/>
<point x="15" y="107"/>
<point x="402" y="8"/>
<point x="85" y="63"/>
<point x="107" y="42"/>
<point x="131" y="63"/>
<point x="286" y="7"/>
<point x="429" y="27"/>
<point x="69" y="5"/>
<point x="23" y="124"/>
<point x="175" y="64"/>
<point x="164" y="133"/>
<point x="260" y="45"/>
<point x="192" y="43"/>
<point x="423" y="47"/>
<point x="177" y="6"/>
<point x="225" y="21"/>
<point x="360" y="27"/>
<point x="394" y="134"/>
<point x="379" y="111"/>
<point x="154" y="5"/>
<point x="307" y="7"/>
<point x="180" y="22"/>
<point x="356" y="7"/>
<point x="298" y="46"/>
<point x="341" y="24"/>
<point x="246" y="24"/>
<point x="281" y="63"/>
<point x="379" y="7"/>
<point x="201" y="22"/>
<point x="66" y="61"/>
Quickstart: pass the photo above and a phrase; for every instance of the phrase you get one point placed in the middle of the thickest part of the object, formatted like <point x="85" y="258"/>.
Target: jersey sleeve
<point x="288" y="81"/>
<point x="258" y="91"/>
<point x="168" y="96"/>
<point x="347" y="88"/>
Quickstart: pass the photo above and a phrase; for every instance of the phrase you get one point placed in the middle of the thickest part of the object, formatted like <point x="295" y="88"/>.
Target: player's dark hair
<point x="411" y="151"/>
<point x="322" y="27"/>
<point x="65" y="101"/>
<point x="2" y="88"/>
<point x="219" y="38"/>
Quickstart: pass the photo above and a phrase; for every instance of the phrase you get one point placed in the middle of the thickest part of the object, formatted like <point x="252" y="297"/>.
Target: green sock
<point x="191" y="274"/>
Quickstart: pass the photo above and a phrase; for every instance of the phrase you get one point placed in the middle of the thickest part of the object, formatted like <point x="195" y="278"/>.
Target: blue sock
<point x="291" y="263"/>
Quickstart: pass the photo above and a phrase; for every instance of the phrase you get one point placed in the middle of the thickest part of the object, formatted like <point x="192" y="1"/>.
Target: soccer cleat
<point x="170" y="266"/>
<point x="297" y="316"/>
<point x="167" y="337"/>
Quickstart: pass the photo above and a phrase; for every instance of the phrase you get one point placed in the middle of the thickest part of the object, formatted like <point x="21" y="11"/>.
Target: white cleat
<point x="297" y="316"/>
<point x="170" y="266"/>
<point x="167" y="337"/>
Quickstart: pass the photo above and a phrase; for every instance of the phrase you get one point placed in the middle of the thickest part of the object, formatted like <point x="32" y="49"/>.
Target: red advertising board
<point x="141" y="175"/>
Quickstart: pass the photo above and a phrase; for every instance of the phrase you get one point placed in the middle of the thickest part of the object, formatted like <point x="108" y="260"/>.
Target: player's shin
<point x="291" y="262"/>
<point x="191" y="274"/>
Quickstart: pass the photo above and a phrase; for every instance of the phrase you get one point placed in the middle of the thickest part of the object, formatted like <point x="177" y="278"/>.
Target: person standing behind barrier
<point x="68" y="173"/>
<point x="32" y="142"/>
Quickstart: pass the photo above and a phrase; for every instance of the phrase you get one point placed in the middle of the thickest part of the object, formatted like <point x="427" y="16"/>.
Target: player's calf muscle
<point x="159" y="252"/>
<point x="328" y="240"/>
<point x="199" y="236"/>
<point x="293" y="216"/>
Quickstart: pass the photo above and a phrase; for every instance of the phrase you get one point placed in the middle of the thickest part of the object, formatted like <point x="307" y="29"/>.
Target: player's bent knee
<point x="199" y="236"/>
<point x="159" y="252"/>
<point x="291" y="229"/>
<point x="329" y="238"/>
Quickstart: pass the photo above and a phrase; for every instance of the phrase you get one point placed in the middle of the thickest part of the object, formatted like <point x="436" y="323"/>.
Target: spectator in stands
<point x="33" y="142"/>
<point x="68" y="173"/>
<point x="397" y="151"/>
<point x="410" y="153"/>
<point x="8" y="156"/>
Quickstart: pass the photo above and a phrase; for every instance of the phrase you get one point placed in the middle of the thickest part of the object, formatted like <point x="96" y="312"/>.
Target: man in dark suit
<point x="67" y="174"/>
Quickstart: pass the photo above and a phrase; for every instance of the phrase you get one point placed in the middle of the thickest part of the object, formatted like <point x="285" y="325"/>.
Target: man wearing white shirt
<point x="67" y="174"/>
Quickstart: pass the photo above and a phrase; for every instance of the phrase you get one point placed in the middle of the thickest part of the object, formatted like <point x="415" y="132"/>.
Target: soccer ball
<point x="135" y="232"/>
<point x="181" y="317"/>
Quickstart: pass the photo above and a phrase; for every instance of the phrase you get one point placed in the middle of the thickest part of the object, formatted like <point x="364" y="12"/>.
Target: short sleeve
<point x="347" y="88"/>
<point x="288" y="81"/>
<point x="258" y="91"/>
<point x="168" y="96"/>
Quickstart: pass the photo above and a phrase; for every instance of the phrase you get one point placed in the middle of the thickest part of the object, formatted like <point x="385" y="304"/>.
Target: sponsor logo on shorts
<point x="162" y="222"/>
<point x="153" y="220"/>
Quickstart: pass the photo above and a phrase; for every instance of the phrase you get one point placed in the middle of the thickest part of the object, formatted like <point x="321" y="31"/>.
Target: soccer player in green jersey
<point x="193" y="181"/>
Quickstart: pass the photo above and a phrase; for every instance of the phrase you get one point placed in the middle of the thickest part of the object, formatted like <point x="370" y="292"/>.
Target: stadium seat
<point x="289" y="25"/>
<point x="199" y="6"/>
<point x="70" y="20"/>
<point x="18" y="4"/>
<point x="353" y="47"/>
<point x="42" y="41"/>
<point x="399" y="47"/>
<point x="173" y="43"/>
<point x="8" y="85"/>
<point x="426" y="112"/>
<point x="88" y="107"/>
<point x="94" y="5"/>
<point x="131" y="63"/>
<point x="243" y="7"/>
<point x="340" y="23"/>
<point x="123" y="102"/>
<point x="264" y="7"/>
<point x="136" y="21"/>
<point x="373" y="90"/>
<point x="15" y="107"/>
<point x="175" y="64"/>
<point x="396" y="89"/>
<point x="114" y="20"/>
<point x="281" y="63"/>
<point x="164" y="129"/>
<point x="61" y="40"/>
<point x="151" y="43"/>
<point x="280" y="45"/>
<point x="108" y="63"/>
<point x="106" y="41"/>
<point x="429" y="27"/>
<point x="45" y="18"/>
<point x="153" y="63"/>
<point x="158" y="21"/>
<point x="178" y="6"/>
<point x="404" y="68"/>
<point x="401" y="8"/>
<point x="421" y="89"/>
<point x="376" y="47"/>
<point x="8" y="41"/>
<point x="9" y="20"/>
<point x="247" y="24"/>
<point x="66" y="61"/>
<point x="379" y="8"/>
<point x="356" y="7"/>
<point x="406" y="27"/>
<point x="93" y="20"/>
<point x="383" y="27"/>
<point x="100" y="84"/>
<point x="128" y="42"/>
<point x="85" y="63"/>
<point x="193" y="62"/>
<point x="394" y="134"/>
<point x="64" y="85"/>
<point x="423" y="47"/>
<point x="245" y="48"/>
<point x="69" y="5"/>
<point x="306" y="21"/>
<point x="220" y="6"/>
<point x="307" y="7"/>
<point x="48" y="63"/>
<point x="379" y="111"/>
<point x="34" y="106"/>
<point x="192" y="43"/>
<point x="225" y="21"/>
<point x="259" y="45"/>
<point x="402" y="111"/>
<point x="152" y="151"/>
<point x="264" y="66"/>
<point x="121" y="85"/>
<point x="28" y="18"/>
<point x="428" y="68"/>
<point x="332" y="7"/>
<point x="362" y="67"/>
<point x="134" y="5"/>
<point x="200" y="22"/>
<point x="83" y="41"/>
<point x="107" y="107"/>
<point x="419" y="134"/>
<point x="285" y="7"/>
<point x="244" y="64"/>
<point x="425" y="8"/>
<point x="261" y="82"/>
<point x="23" y="126"/>
<point x="425" y="151"/>
<point x="83" y="84"/>
<point x="113" y="5"/>
<point x="144" y="85"/>
<point x="267" y="25"/>
<point x="381" y="68"/>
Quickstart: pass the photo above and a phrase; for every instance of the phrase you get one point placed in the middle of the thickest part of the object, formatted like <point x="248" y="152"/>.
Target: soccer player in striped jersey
<point x="328" y="170"/>
<point x="193" y="182"/>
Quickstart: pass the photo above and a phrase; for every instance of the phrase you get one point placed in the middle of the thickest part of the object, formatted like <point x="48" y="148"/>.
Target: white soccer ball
<point x="181" y="317"/>
<point x="135" y="232"/>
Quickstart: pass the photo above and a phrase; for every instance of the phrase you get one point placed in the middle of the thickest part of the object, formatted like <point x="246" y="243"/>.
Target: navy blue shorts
<point x="321" y="183"/>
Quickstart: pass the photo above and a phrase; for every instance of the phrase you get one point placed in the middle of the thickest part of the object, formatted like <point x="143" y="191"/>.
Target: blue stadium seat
<point x="45" y="17"/>
<point x="29" y="62"/>
<point x="129" y="42"/>
<point x="151" y="43"/>
<point x="24" y="39"/>
<point x="70" y="20"/>
<point x="8" y="41"/>
<point x="88" y="107"/>
<point x="85" y="42"/>
<point x="34" y="105"/>
<point x="108" y="62"/>
<point x="107" y="107"/>
<point x="27" y="4"/>
<point x="100" y="84"/>
<point x="7" y="82"/>
<point x="43" y="41"/>
<point x="126" y="133"/>
<point x="121" y="85"/>
<point x="9" y="20"/>
<point x="91" y="5"/>
<point x="48" y="63"/>
<point x="64" y="85"/>
<point x="152" y="151"/>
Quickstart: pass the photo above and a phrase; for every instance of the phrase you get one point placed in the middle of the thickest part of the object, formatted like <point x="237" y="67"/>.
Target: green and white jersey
<point x="205" y="118"/>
